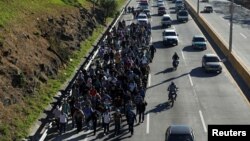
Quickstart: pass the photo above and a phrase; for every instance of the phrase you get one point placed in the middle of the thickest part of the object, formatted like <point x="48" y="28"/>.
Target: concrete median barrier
<point x="232" y="58"/>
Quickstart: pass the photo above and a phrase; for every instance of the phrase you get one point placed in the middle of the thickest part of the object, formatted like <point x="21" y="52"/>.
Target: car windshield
<point x="212" y="59"/>
<point x="178" y="2"/>
<point x="166" y="19"/>
<point x="143" y="4"/>
<point x="208" y="7"/>
<point x="199" y="39"/>
<point x="161" y="8"/>
<point x="142" y="17"/>
<point x="183" y="13"/>
<point x="180" y="137"/>
<point x="169" y="34"/>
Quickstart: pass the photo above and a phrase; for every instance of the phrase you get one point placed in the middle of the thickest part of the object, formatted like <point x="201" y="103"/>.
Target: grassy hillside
<point x="17" y="16"/>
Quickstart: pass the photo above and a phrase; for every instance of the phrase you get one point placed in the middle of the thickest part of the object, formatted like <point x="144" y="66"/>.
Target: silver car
<point x="211" y="63"/>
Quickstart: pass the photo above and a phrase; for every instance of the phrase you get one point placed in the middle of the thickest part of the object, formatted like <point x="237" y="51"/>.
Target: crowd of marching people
<point x="114" y="86"/>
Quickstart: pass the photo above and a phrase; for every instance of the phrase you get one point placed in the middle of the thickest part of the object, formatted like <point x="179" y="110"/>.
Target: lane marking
<point x="182" y="55"/>
<point x="243" y="35"/>
<point x="86" y="139"/>
<point x="93" y="57"/>
<point x="151" y="39"/>
<point x="190" y="79"/>
<point x="149" y="80"/>
<point x="203" y="122"/>
<point x="147" y="129"/>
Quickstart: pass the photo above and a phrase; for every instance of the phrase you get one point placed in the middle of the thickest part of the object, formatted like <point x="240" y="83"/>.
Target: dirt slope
<point x="32" y="50"/>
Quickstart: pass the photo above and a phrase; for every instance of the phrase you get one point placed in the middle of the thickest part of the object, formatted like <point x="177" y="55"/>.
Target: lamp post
<point x="198" y="7"/>
<point x="231" y="27"/>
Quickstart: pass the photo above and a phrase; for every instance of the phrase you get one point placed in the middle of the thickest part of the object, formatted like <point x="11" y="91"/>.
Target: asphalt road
<point x="219" y="20"/>
<point x="202" y="98"/>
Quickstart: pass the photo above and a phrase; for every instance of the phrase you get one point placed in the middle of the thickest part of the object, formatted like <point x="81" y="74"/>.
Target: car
<point x="147" y="12"/>
<point x="211" y="63"/>
<point x="160" y="3"/>
<point x="166" y="20"/>
<point x="179" y="3"/>
<point x="161" y="10"/>
<point x="142" y="18"/>
<point x="199" y="42"/>
<point x="204" y="0"/>
<point x="143" y="5"/>
<point x="170" y="37"/>
<point x="182" y="15"/>
<point x="208" y="9"/>
<point x="179" y="133"/>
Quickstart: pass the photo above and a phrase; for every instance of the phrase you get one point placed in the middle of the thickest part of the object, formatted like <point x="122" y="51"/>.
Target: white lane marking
<point x="151" y="39"/>
<point x="149" y="80"/>
<point x="190" y="79"/>
<point x="182" y="53"/>
<point x="147" y="129"/>
<point x="243" y="35"/>
<point x="86" y="68"/>
<point x="203" y="122"/>
<point x="86" y="139"/>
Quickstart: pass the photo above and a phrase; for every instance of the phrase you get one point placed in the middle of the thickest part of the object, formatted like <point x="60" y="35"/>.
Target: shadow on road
<point x="165" y="81"/>
<point x="200" y="72"/>
<point x="158" y="27"/>
<point x="191" y="49"/>
<point x="167" y="70"/>
<point x="160" y="108"/>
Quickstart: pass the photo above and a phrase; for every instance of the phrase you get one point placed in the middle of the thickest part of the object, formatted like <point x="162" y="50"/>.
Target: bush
<point x="110" y="7"/>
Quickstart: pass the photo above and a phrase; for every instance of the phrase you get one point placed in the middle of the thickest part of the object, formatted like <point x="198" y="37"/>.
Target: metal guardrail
<point x="84" y="65"/>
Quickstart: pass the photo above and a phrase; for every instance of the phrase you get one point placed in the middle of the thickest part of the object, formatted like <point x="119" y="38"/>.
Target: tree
<point x="109" y="7"/>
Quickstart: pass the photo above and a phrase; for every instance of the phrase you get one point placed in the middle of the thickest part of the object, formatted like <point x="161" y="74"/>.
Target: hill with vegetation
<point x="41" y="43"/>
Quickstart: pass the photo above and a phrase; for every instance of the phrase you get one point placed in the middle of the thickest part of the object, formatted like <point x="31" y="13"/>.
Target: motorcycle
<point x="172" y="97"/>
<point x="175" y="64"/>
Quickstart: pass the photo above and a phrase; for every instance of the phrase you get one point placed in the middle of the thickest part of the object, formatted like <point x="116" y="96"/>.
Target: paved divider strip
<point x="41" y="133"/>
<point x="232" y="57"/>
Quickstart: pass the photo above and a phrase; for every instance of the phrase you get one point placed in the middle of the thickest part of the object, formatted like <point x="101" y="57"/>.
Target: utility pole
<point x="198" y="7"/>
<point x="231" y="27"/>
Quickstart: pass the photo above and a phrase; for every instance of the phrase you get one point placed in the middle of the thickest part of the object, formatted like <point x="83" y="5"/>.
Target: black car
<point x="161" y="10"/>
<point x="208" y="9"/>
<point x="179" y="133"/>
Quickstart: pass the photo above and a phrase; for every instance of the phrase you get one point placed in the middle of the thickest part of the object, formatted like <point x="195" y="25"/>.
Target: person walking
<point x="63" y="121"/>
<point x="57" y="113"/>
<point x="131" y="120"/>
<point x="94" y="118"/>
<point x="141" y="110"/>
<point x="106" y="121"/>
<point x="118" y="120"/>
<point x="78" y="118"/>
<point x="152" y="52"/>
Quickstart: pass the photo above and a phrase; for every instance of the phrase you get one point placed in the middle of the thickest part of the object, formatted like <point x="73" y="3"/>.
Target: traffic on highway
<point x="155" y="78"/>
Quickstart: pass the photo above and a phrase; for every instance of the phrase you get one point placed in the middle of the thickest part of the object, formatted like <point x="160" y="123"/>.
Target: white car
<point x="170" y="37"/>
<point x="160" y="3"/>
<point x="142" y="18"/>
<point x="166" y="20"/>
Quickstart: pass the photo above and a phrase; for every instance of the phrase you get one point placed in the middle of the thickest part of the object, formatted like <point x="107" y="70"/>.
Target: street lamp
<point x="231" y="27"/>
<point x="198" y="7"/>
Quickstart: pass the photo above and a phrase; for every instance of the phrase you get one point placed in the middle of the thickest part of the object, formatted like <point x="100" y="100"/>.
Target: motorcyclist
<point x="175" y="56"/>
<point x="172" y="91"/>
<point x="175" y="60"/>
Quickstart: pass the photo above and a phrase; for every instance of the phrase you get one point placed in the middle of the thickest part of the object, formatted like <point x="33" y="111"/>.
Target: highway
<point x="202" y="98"/>
<point x="219" y="20"/>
